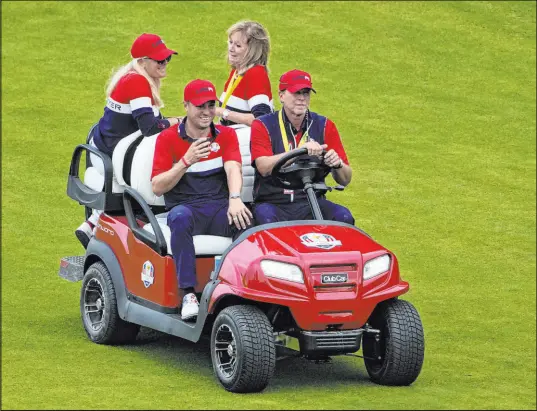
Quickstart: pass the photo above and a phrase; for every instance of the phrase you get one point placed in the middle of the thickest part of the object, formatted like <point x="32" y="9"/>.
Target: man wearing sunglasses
<point x="295" y="126"/>
<point x="197" y="166"/>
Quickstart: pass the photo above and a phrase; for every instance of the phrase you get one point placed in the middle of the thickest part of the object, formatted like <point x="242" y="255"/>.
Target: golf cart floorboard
<point x="72" y="268"/>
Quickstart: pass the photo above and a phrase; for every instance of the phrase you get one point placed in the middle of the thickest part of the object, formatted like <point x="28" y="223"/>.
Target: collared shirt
<point x="205" y="179"/>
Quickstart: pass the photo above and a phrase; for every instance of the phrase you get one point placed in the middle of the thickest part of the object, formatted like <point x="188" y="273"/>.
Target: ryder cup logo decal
<point x="215" y="147"/>
<point x="319" y="240"/>
<point x="148" y="274"/>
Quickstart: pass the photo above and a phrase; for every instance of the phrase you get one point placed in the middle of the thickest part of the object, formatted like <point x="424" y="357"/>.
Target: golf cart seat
<point x="105" y="177"/>
<point x="121" y="162"/>
<point x="141" y="182"/>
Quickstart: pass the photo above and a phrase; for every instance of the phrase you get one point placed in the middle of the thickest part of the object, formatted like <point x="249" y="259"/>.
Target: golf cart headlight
<point x="377" y="266"/>
<point x="283" y="271"/>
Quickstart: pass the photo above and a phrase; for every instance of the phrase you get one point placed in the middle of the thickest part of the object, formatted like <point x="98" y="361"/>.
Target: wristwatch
<point x="234" y="195"/>
<point x="225" y="113"/>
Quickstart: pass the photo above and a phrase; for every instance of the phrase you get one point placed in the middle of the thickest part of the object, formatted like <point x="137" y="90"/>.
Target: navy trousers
<point x="270" y="213"/>
<point x="188" y="220"/>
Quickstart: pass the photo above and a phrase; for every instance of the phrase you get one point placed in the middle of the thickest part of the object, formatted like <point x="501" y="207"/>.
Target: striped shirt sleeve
<point x="140" y="97"/>
<point x="258" y="93"/>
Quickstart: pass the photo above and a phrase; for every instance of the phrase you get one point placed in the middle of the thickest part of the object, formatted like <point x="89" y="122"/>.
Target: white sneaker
<point x="84" y="233"/>
<point x="190" y="308"/>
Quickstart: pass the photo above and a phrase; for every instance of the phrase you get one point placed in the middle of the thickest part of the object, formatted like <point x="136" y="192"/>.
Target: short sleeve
<point x="260" y="145"/>
<point x="333" y="140"/>
<point x="163" y="158"/>
<point x="230" y="146"/>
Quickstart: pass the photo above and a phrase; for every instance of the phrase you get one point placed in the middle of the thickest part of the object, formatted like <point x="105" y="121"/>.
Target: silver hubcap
<point x="94" y="304"/>
<point x="225" y="351"/>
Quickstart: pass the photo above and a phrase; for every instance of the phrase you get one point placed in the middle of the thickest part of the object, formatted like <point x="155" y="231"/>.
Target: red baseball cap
<point x="152" y="46"/>
<point x="198" y="92"/>
<point x="295" y="80"/>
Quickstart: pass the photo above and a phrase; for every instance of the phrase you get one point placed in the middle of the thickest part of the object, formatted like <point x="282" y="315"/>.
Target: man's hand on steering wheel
<point x="293" y="173"/>
<point x="314" y="148"/>
<point x="332" y="159"/>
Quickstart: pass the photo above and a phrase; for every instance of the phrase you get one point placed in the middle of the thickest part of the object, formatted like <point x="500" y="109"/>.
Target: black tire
<point x="243" y="336"/>
<point x="98" y="308"/>
<point x="397" y="357"/>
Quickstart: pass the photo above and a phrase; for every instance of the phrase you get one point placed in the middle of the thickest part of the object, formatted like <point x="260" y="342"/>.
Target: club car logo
<point x="148" y="274"/>
<point x="319" y="240"/>
<point x="334" y="278"/>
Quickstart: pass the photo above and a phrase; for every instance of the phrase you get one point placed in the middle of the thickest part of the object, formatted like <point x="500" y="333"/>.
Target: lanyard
<point x="231" y="87"/>
<point x="283" y="132"/>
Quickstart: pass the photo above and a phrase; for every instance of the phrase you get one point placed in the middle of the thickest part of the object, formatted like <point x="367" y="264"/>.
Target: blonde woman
<point x="247" y="93"/>
<point x="133" y="95"/>
<point x="133" y="104"/>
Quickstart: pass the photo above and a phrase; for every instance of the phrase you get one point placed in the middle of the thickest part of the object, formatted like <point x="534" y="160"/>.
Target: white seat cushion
<point x="142" y="167"/>
<point x="243" y="134"/>
<point x="118" y="156"/>
<point x="95" y="180"/>
<point x="203" y="244"/>
<point x="94" y="175"/>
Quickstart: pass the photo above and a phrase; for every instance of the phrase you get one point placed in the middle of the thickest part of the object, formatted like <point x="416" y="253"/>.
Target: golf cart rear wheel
<point x="98" y="307"/>
<point x="395" y="356"/>
<point x="242" y="349"/>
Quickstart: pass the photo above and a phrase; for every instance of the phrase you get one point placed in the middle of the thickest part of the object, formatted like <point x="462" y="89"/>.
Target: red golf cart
<point x="327" y="284"/>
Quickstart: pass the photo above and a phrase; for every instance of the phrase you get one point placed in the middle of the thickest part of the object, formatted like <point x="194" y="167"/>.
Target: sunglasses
<point x="160" y="62"/>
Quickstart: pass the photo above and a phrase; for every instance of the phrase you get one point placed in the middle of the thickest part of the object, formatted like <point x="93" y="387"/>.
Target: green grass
<point x="436" y="105"/>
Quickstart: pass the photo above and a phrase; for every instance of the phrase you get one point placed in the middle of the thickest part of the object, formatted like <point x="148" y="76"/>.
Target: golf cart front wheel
<point x="395" y="356"/>
<point x="98" y="308"/>
<point x="242" y="349"/>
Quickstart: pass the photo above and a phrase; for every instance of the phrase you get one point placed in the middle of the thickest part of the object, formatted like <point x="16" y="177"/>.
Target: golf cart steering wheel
<point x="301" y="171"/>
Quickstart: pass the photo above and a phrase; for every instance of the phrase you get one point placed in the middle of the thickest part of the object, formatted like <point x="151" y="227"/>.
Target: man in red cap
<point x="197" y="166"/>
<point x="294" y="126"/>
